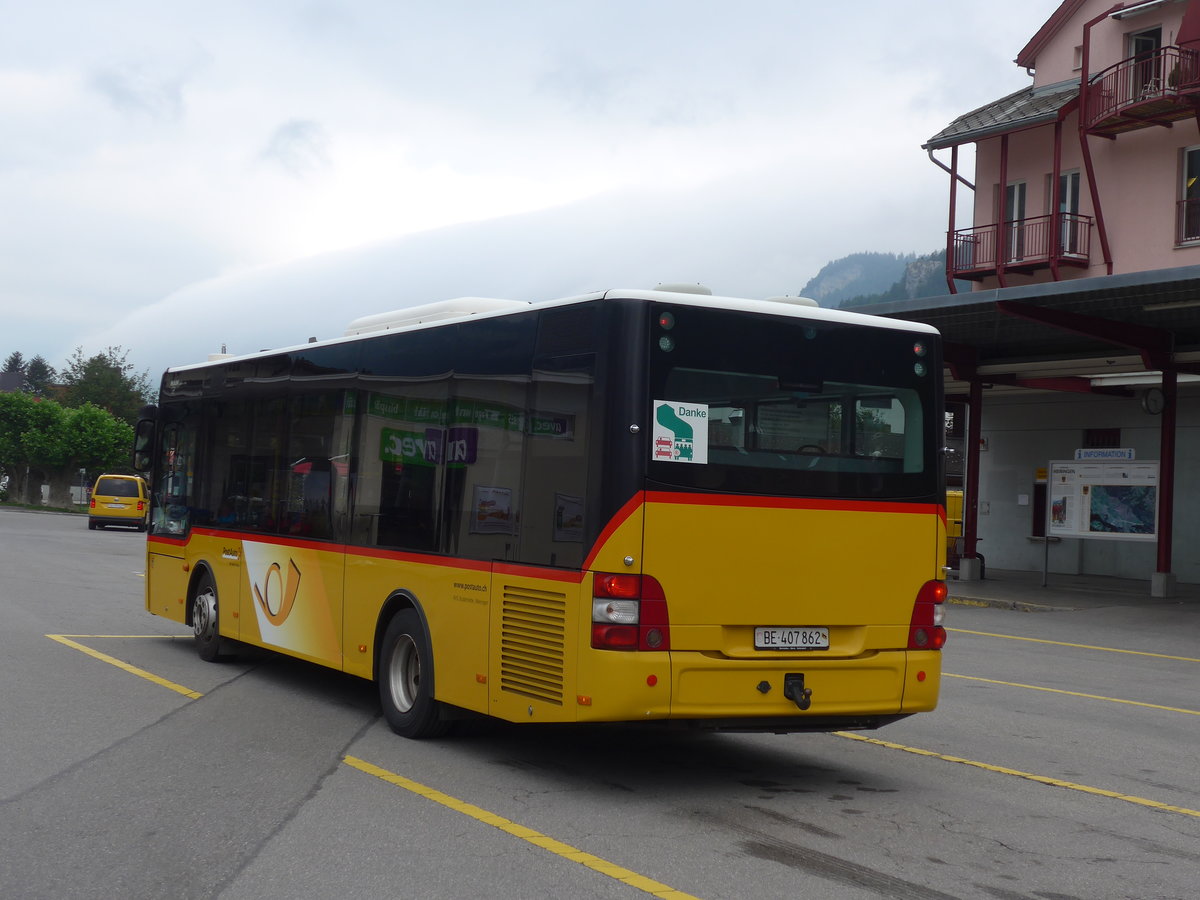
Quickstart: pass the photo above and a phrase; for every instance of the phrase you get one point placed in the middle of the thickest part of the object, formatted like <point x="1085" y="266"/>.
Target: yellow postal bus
<point x="626" y="506"/>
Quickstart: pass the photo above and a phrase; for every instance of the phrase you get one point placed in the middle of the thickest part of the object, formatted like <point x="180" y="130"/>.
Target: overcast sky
<point x="174" y="177"/>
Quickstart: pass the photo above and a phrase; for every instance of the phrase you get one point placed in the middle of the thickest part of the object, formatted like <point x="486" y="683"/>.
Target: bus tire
<point x="206" y="622"/>
<point x="405" y="679"/>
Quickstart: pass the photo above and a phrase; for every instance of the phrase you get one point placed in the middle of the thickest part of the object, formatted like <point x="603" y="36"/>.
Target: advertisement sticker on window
<point x="680" y="432"/>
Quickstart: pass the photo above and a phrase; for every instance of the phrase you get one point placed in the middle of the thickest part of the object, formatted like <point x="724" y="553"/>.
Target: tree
<point x="22" y="415"/>
<point x="39" y="376"/>
<point x="84" y="438"/>
<point x="14" y="363"/>
<point x="107" y="381"/>
<point x="41" y="441"/>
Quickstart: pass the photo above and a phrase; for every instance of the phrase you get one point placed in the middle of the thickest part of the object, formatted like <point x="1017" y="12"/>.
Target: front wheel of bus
<point x="405" y="679"/>
<point x="205" y="621"/>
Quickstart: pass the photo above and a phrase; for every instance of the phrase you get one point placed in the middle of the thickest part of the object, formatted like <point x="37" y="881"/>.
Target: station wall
<point x="1023" y="432"/>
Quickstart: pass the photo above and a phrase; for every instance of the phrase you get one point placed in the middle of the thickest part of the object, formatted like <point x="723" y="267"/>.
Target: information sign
<point x="1115" y="499"/>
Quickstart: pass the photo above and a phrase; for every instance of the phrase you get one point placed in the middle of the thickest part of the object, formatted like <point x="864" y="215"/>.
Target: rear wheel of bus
<point x="405" y="679"/>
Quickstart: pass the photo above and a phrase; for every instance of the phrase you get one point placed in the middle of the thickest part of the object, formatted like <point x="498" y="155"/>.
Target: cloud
<point x="741" y="237"/>
<point x="417" y="152"/>
<point x="132" y="88"/>
<point x="300" y="147"/>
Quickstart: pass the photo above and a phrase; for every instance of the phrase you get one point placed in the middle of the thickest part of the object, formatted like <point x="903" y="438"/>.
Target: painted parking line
<point x="1049" y="690"/>
<point x="1030" y="776"/>
<point x="1017" y="637"/>
<point x="566" y="851"/>
<point x="65" y="639"/>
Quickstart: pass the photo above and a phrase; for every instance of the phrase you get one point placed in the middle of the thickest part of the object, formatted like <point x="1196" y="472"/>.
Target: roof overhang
<point x="1094" y="335"/>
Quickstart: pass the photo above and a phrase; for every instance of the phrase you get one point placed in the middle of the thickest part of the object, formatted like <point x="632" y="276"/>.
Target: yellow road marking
<point x="1034" y="687"/>
<point x="1017" y="637"/>
<point x="1017" y="773"/>
<point x="566" y="851"/>
<point x="120" y="664"/>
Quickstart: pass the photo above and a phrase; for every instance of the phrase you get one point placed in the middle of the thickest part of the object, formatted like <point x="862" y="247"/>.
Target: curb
<point x="1017" y="605"/>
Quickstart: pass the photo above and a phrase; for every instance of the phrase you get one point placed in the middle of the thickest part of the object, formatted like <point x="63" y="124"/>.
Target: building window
<point x="1077" y="64"/>
<point x="1071" y="231"/>
<point x="1101" y="438"/>
<point x="1188" y="220"/>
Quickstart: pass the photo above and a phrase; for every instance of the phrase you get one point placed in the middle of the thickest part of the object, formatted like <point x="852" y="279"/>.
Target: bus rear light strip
<point x="925" y="630"/>
<point x="629" y="612"/>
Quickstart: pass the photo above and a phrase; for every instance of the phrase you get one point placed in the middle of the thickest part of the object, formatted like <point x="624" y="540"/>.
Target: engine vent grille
<point x="533" y="643"/>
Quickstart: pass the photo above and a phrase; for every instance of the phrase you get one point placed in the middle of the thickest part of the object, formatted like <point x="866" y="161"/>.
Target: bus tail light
<point x="925" y="631"/>
<point x="629" y="612"/>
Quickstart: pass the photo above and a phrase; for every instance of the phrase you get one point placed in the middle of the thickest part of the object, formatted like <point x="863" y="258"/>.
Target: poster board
<point x="1109" y="499"/>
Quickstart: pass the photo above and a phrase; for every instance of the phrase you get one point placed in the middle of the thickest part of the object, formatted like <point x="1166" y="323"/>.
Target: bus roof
<point x="461" y="309"/>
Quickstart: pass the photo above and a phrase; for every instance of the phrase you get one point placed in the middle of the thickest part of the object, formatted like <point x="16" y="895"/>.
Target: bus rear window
<point x="779" y="405"/>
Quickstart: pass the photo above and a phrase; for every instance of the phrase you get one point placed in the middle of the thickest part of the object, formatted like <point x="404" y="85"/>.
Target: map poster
<point x="1115" y="499"/>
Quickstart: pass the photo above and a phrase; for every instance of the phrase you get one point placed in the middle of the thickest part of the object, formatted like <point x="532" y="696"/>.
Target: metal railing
<point x="1187" y="221"/>
<point x="1028" y="243"/>
<point x="1142" y="79"/>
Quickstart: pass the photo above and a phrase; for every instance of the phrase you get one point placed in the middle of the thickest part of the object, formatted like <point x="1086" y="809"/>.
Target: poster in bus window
<point x="568" y="518"/>
<point x="680" y="432"/>
<point x="491" y="510"/>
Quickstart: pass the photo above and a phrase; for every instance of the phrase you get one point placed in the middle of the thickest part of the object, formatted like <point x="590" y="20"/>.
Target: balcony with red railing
<point x="1029" y="245"/>
<point x="1155" y="88"/>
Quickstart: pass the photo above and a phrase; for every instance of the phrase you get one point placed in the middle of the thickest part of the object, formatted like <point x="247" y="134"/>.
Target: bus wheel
<point x="405" y="679"/>
<point x="205" y="618"/>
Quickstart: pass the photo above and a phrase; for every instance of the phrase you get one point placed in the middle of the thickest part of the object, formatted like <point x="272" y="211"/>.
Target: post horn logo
<point x="278" y="599"/>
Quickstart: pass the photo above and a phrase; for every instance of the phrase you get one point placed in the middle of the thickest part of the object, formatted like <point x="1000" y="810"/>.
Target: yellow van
<point x="119" y="500"/>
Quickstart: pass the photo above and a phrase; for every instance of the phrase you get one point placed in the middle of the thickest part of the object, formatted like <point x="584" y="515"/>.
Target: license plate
<point x="116" y="505"/>
<point x="791" y="638"/>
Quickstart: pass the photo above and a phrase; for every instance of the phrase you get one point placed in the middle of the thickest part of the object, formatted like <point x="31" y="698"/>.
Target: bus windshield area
<point x="787" y="406"/>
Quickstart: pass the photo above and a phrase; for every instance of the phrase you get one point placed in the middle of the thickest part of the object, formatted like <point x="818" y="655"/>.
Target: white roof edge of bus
<point x="430" y="312"/>
<point x="503" y="307"/>
<point x="786" y="306"/>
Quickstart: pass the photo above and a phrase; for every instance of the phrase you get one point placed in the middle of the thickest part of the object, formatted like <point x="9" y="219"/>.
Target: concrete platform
<point x="1023" y="590"/>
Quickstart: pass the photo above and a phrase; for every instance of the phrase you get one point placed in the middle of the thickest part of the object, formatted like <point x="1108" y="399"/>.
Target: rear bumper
<point x="789" y="724"/>
<point x="136" y="521"/>
<point x="879" y="685"/>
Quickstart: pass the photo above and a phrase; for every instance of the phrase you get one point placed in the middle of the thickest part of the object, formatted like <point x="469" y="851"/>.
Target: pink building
<point x="1094" y="169"/>
<point x="1081" y="335"/>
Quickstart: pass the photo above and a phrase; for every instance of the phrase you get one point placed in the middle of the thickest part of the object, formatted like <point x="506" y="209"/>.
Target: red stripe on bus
<point x="425" y="559"/>
<point x="614" y="523"/>
<point x="569" y="576"/>
<point x="169" y="541"/>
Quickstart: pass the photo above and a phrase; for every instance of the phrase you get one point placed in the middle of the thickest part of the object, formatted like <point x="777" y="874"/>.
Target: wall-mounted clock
<point x="1153" y="401"/>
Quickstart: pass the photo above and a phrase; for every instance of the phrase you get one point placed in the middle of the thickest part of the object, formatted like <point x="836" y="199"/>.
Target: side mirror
<point x="143" y="446"/>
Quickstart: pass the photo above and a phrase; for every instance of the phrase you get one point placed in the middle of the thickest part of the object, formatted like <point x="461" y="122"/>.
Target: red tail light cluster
<point x="629" y="612"/>
<point x="925" y="631"/>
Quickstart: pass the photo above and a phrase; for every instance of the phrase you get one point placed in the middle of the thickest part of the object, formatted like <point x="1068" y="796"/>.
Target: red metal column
<point x="950" y="229"/>
<point x="1056" y="216"/>
<point x="1085" y="148"/>
<point x="1002" y="203"/>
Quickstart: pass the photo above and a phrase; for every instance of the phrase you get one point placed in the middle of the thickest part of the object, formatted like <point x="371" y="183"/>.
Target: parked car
<point x="119" y="500"/>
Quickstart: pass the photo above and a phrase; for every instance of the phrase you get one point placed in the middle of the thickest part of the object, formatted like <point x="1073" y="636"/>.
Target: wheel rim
<point x="204" y="615"/>
<point x="404" y="673"/>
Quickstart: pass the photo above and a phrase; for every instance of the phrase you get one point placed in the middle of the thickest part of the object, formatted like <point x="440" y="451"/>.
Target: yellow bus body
<point x="513" y="641"/>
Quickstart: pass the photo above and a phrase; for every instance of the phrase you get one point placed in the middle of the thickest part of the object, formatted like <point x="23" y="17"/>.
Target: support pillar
<point x="1162" y="584"/>
<point x="970" y="566"/>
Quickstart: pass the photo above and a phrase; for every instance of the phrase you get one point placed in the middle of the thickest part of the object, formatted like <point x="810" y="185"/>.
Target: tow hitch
<point x="794" y="690"/>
